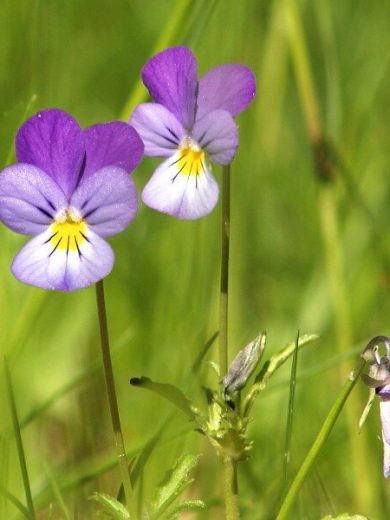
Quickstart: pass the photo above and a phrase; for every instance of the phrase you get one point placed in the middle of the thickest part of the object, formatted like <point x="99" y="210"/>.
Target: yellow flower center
<point x="191" y="161"/>
<point x="68" y="231"/>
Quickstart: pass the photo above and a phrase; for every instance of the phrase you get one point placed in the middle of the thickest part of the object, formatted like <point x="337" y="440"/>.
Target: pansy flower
<point x="70" y="189"/>
<point x="190" y="122"/>
<point x="379" y="378"/>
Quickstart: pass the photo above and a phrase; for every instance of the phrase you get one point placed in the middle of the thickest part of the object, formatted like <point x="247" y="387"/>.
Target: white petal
<point x="184" y="188"/>
<point x="49" y="264"/>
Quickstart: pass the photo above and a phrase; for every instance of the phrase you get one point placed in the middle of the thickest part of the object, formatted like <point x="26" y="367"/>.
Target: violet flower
<point x="69" y="190"/>
<point x="191" y="121"/>
<point x="379" y="378"/>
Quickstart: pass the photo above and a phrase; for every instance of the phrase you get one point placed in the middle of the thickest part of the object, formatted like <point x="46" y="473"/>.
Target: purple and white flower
<point x="379" y="378"/>
<point x="189" y="122"/>
<point x="70" y="189"/>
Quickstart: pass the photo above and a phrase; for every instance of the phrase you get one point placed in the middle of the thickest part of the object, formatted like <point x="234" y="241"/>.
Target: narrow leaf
<point x="19" y="442"/>
<point x="290" y="413"/>
<point x="270" y="367"/>
<point x="169" y="392"/>
<point x="15" y="501"/>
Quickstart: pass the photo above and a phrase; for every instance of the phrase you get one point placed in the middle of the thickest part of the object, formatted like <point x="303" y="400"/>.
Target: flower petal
<point x="217" y="133"/>
<point x="230" y="87"/>
<point x="183" y="194"/>
<point x="159" y="129"/>
<point x="385" y="419"/>
<point x="29" y="199"/>
<point x="52" y="140"/>
<point x="112" y="144"/>
<point x="42" y="263"/>
<point x="171" y="78"/>
<point x="107" y="200"/>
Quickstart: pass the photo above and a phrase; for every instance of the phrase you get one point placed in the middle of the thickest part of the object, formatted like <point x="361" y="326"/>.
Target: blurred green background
<point x="306" y="254"/>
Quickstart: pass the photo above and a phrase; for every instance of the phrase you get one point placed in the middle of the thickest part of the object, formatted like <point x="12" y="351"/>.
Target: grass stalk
<point x="112" y="399"/>
<point x="320" y="440"/>
<point x="291" y="400"/>
<point x="19" y="443"/>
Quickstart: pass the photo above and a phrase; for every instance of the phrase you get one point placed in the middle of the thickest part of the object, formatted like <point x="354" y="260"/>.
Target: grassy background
<point x="85" y="56"/>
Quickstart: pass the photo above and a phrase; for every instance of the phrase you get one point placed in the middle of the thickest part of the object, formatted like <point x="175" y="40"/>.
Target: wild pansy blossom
<point x="69" y="190"/>
<point x="190" y="121"/>
<point x="379" y="378"/>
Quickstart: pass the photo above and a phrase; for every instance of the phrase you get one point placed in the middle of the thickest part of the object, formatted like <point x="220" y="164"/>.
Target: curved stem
<point x="112" y="399"/>
<point x="318" y="443"/>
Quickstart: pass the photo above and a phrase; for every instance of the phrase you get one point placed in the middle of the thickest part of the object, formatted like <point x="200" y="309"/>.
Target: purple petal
<point x="186" y="194"/>
<point x="42" y="264"/>
<point x="229" y="87"/>
<point x="383" y="390"/>
<point x="29" y="199"/>
<point x="52" y="140"/>
<point x="159" y="129"/>
<point x="107" y="200"/>
<point x="385" y="419"/>
<point x="217" y="134"/>
<point x="112" y="144"/>
<point x="171" y="78"/>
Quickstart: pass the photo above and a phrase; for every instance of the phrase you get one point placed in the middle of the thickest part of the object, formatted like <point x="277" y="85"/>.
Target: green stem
<point x="231" y="489"/>
<point x="229" y="465"/>
<point x="225" y="246"/>
<point x="320" y="440"/>
<point x="19" y="444"/>
<point x="328" y="210"/>
<point x="112" y="399"/>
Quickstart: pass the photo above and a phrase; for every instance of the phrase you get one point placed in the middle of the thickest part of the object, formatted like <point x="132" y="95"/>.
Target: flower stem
<point x="229" y="465"/>
<point x="318" y="443"/>
<point x="112" y="399"/>
<point x="225" y="246"/>
<point x="231" y="489"/>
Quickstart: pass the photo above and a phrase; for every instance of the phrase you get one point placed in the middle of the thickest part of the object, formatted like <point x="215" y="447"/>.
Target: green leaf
<point x="174" y="483"/>
<point x="183" y="507"/>
<point x="169" y="392"/>
<point x="111" y="506"/>
<point x="270" y="367"/>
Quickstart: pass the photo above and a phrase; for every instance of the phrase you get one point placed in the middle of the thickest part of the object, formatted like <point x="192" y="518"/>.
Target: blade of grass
<point x="290" y="411"/>
<point x="320" y="440"/>
<point x="19" y="443"/>
<point x="15" y="501"/>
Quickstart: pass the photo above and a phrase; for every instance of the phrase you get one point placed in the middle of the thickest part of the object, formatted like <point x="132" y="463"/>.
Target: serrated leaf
<point x="174" y="483"/>
<point x="111" y="506"/>
<point x="169" y="392"/>
<point x="183" y="507"/>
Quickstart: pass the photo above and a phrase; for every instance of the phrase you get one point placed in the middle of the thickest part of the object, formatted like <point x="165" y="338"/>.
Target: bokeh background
<point x="310" y="219"/>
